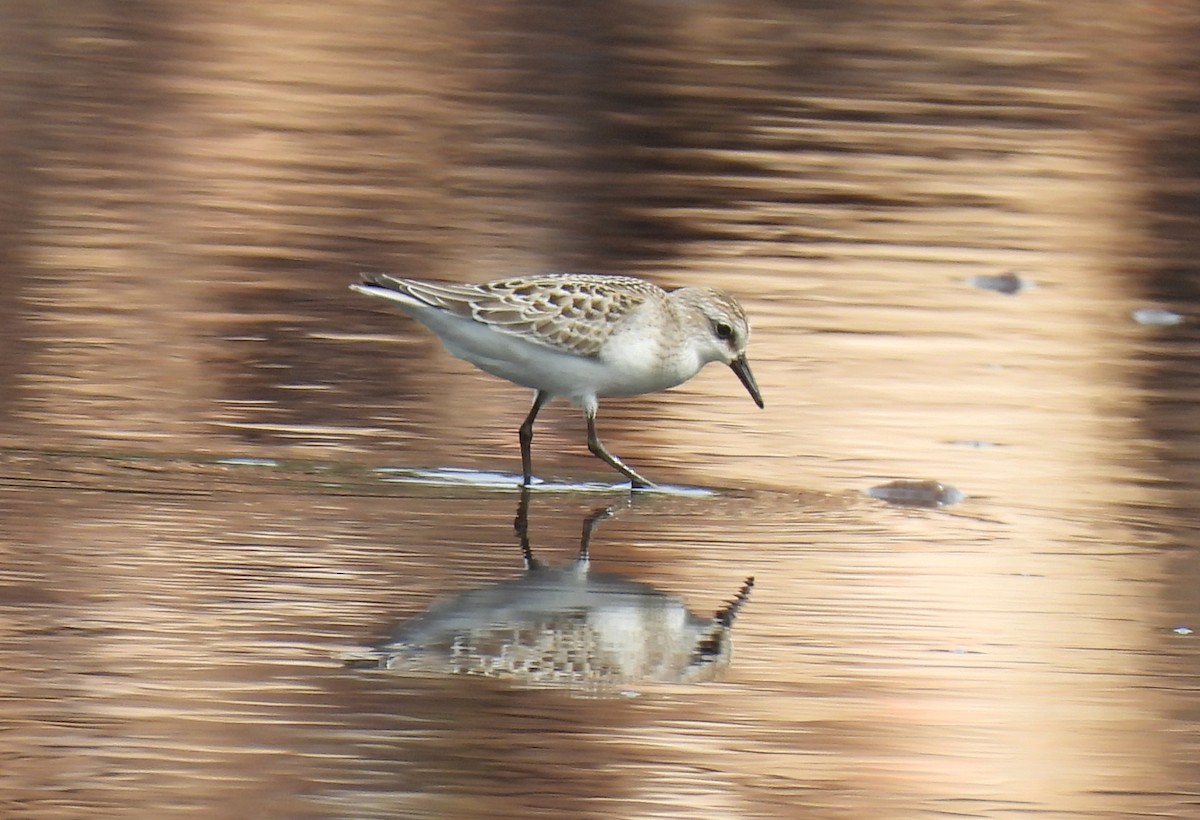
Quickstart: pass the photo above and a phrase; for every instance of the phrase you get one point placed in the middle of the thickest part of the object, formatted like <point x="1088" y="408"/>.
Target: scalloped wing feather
<point x="574" y="313"/>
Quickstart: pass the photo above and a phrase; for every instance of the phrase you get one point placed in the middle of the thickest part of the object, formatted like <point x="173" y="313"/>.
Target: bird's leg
<point x="598" y="449"/>
<point x="526" y="436"/>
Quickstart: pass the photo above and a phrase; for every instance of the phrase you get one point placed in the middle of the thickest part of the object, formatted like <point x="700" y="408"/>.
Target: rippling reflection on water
<point x="201" y="429"/>
<point x="565" y="627"/>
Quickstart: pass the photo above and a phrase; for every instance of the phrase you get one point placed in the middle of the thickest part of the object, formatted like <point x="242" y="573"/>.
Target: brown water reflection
<point x="190" y="188"/>
<point x="562" y="627"/>
<point x="171" y="648"/>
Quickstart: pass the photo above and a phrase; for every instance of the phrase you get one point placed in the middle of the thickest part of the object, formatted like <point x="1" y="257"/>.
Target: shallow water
<point x="248" y="514"/>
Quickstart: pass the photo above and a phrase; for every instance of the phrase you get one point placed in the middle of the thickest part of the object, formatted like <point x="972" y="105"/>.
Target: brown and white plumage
<point x="580" y="336"/>
<point x="573" y="313"/>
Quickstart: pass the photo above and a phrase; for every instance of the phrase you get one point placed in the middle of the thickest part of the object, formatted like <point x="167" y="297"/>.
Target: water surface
<point x="223" y="475"/>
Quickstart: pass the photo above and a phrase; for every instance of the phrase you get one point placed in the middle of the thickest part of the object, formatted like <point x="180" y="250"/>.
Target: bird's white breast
<point x="639" y="362"/>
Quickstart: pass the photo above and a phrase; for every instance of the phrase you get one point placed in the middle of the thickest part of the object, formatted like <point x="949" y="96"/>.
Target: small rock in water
<point x="1156" y="316"/>
<point x="917" y="493"/>
<point x="1007" y="283"/>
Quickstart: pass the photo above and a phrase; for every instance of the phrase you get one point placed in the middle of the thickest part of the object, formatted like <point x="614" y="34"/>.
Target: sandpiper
<point x="579" y="336"/>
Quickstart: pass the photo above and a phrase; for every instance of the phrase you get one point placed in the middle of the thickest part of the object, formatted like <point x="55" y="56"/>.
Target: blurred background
<point x="966" y="237"/>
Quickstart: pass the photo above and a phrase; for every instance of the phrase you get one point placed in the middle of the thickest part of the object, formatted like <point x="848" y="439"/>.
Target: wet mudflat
<point x="257" y="542"/>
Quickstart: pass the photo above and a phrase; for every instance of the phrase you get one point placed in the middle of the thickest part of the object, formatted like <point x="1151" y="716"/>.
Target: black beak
<point x="742" y="368"/>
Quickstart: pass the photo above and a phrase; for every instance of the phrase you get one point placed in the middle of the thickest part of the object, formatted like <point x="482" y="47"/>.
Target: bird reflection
<point x="563" y="627"/>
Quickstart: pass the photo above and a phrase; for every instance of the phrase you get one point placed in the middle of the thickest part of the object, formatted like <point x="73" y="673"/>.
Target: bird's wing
<point x="574" y="313"/>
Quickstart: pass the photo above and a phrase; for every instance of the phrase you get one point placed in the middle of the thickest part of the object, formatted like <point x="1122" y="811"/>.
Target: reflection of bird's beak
<point x="742" y="368"/>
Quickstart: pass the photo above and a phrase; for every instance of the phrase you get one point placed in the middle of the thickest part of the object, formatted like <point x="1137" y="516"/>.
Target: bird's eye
<point x="723" y="330"/>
